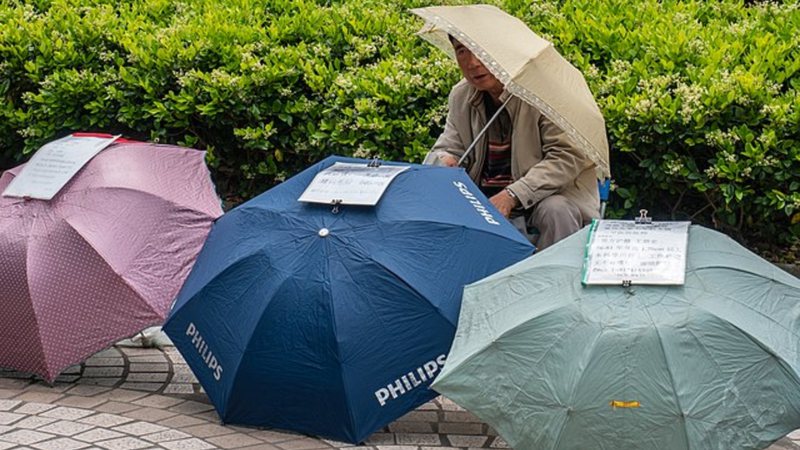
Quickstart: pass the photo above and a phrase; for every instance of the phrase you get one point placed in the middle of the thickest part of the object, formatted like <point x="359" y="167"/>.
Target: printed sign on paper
<point x="621" y="252"/>
<point x="53" y="165"/>
<point x="350" y="184"/>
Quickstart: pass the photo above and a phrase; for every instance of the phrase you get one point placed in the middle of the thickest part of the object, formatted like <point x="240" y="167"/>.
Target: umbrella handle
<point x="483" y="130"/>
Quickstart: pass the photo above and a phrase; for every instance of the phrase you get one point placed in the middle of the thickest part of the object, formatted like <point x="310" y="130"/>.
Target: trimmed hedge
<point x="701" y="99"/>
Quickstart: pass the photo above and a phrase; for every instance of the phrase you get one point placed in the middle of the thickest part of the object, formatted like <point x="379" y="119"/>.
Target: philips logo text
<point x="476" y="203"/>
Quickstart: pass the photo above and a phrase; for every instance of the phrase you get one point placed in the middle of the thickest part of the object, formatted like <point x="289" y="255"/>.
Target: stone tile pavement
<point x="129" y="397"/>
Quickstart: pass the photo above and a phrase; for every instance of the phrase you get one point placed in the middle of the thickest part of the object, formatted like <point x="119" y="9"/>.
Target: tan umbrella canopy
<point x="528" y="66"/>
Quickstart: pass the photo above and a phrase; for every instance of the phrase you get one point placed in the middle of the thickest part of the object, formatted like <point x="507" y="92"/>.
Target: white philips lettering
<point x="487" y="216"/>
<point x="408" y="381"/>
<point x="204" y="351"/>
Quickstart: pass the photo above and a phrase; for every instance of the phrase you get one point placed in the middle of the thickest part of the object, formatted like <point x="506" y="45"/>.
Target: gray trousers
<point x="551" y="220"/>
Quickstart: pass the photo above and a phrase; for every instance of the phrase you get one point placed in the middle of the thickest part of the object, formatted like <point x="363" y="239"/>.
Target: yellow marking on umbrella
<point x="621" y="404"/>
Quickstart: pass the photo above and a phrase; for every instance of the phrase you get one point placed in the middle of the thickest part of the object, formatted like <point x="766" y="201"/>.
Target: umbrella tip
<point x="324" y="232"/>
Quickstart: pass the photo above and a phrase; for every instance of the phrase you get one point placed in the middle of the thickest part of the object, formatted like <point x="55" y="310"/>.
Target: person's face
<point x="474" y="71"/>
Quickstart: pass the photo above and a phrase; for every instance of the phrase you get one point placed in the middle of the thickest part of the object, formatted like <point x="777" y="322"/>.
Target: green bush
<point x="701" y="104"/>
<point x="700" y="98"/>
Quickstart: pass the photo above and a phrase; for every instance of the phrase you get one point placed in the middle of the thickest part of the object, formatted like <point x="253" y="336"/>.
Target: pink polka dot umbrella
<point x="104" y="258"/>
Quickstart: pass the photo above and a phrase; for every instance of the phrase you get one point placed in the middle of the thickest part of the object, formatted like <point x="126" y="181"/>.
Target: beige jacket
<point x="543" y="160"/>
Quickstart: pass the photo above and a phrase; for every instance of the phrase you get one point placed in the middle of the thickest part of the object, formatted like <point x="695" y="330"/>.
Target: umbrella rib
<point x="706" y="290"/>
<point x="129" y="189"/>
<point x="36" y="316"/>
<point x="669" y="371"/>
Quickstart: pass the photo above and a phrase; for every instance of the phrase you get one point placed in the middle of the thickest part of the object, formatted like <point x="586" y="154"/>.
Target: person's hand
<point x="504" y="202"/>
<point x="448" y="160"/>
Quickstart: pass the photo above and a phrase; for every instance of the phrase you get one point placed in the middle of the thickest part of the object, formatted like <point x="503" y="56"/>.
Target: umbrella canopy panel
<point x="104" y="258"/>
<point x="710" y="364"/>
<point x="335" y="324"/>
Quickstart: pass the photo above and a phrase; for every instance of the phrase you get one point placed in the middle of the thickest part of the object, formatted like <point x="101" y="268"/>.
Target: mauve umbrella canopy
<point x="104" y="258"/>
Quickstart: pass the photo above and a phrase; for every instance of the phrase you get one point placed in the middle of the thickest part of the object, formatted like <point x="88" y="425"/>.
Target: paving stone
<point x="302" y="444"/>
<point x="398" y="447"/>
<point x="149" y="414"/>
<point x="340" y="444"/>
<point x="460" y="440"/>
<point x="139" y="351"/>
<point x="411" y="427"/>
<point x="794" y="435"/>
<point x="7" y="393"/>
<point x="123" y="395"/>
<point x="181" y="421"/>
<point x="97" y="435"/>
<point x="183" y="378"/>
<point x="106" y="382"/>
<point x="460" y="428"/>
<point x="380" y="439"/>
<point x="108" y="353"/>
<point x="116" y="407"/>
<point x="158" y="401"/>
<point x="499" y="442"/>
<point x="55" y="388"/>
<point x="261" y="447"/>
<point x="66" y="413"/>
<point x="179" y="388"/>
<point x="158" y="358"/>
<point x="167" y="435"/>
<point x="78" y="401"/>
<point x="12" y="383"/>
<point x="39" y="397"/>
<point x="274" y="436"/>
<point x="25" y="437"/>
<point x="60" y="444"/>
<point x="147" y="387"/>
<point x="430" y="406"/>
<point x="66" y="428"/>
<point x="8" y="405"/>
<point x="209" y="416"/>
<point x="6" y="445"/>
<point x="421" y="416"/>
<point x="449" y="405"/>
<point x="34" y="408"/>
<point x="105" y="362"/>
<point x="140" y="428"/>
<point x="95" y="372"/>
<point x="105" y="420"/>
<point x="7" y="418"/>
<point x="187" y="444"/>
<point x="191" y="407"/>
<point x="418" y="439"/>
<point x="148" y="377"/>
<point x="460" y="416"/>
<point x="206" y="430"/>
<point x="33" y="422"/>
<point x="231" y="441"/>
<point x="88" y="391"/>
<point x="124" y="443"/>
<point x="67" y="378"/>
<point x="149" y="367"/>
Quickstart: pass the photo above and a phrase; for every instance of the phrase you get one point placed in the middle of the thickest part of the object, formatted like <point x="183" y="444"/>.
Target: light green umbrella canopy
<point x="553" y="364"/>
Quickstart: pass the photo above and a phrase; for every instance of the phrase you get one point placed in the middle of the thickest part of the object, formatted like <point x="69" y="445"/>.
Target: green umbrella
<point x="553" y="364"/>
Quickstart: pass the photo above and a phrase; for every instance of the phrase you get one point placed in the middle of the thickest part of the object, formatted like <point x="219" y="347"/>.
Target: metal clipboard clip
<point x="376" y="162"/>
<point x="643" y="219"/>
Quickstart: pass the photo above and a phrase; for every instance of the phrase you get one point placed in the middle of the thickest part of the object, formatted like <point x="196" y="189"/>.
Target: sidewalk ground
<point x="129" y="397"/>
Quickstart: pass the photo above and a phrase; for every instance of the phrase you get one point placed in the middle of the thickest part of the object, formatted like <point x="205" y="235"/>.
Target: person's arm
<point x="449" y="147"/>
<point x="560" y="166"/>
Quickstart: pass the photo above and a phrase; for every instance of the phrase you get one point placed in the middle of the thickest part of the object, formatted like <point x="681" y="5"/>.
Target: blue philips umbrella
<point x="335" y="324"/>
